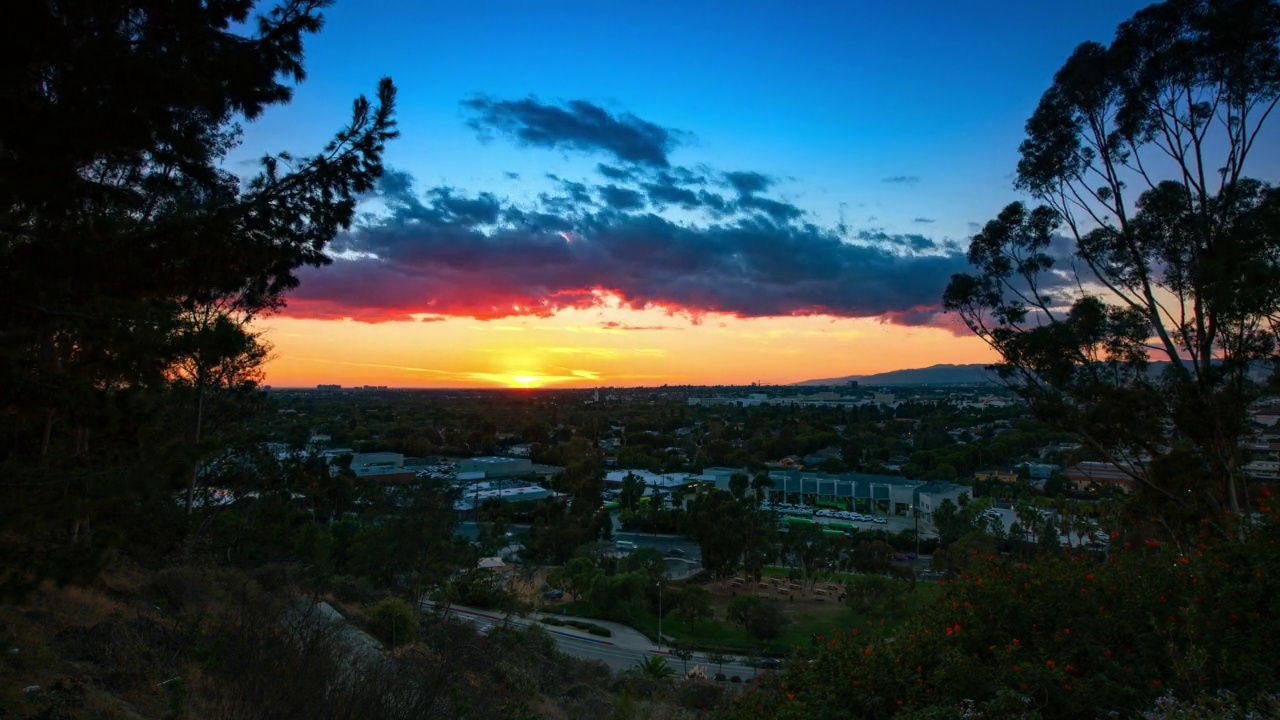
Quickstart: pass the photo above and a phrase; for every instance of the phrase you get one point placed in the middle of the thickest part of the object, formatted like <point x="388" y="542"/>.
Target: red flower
<point x="1049" y="664"/>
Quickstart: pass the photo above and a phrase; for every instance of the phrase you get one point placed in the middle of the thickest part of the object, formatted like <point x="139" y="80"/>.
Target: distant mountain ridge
<point x="932" y="375"/>
<point x="970" y="374"/>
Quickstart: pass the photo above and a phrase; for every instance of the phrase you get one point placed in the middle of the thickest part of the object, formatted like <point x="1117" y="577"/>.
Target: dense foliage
<point x="1147" y="336"/>
<point x="1067" y="636"/>
<point x="131" y="261"/>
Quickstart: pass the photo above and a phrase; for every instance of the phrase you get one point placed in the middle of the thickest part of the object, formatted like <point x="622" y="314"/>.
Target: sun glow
<point x="611" y="347"/>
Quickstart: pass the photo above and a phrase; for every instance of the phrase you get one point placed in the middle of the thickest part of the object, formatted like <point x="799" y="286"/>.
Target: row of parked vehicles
<point x="793" y="509"/>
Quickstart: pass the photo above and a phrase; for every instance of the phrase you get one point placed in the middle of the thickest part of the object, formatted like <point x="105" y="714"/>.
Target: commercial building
<point x="662" y="481"/>
<point x="474" y="495"/>
<point x="1084" y="474"/>
<point x="877" y="494"/>
<point x="497" y="467"/>
<point x="930" y="495"/>
<point x="381" y="466"/>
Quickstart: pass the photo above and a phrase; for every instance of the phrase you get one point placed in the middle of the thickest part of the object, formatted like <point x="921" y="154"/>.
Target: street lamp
<point x="916" y="511"/>
<point x="659" y="614"/>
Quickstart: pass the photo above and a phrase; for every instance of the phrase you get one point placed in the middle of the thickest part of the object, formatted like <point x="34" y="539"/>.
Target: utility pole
<point x="659" y="614"/>
<point x="915" y="510"/>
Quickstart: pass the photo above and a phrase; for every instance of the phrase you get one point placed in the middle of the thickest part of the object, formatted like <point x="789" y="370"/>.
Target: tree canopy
<point x="132" y="258"/>
<point x="1138" y="302"/>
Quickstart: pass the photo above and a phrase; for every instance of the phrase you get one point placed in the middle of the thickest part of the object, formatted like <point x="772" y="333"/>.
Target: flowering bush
<point x="1066" y="636"/>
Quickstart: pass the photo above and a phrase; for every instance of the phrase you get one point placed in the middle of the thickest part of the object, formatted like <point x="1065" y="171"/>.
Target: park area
<point x="773" y="614"/>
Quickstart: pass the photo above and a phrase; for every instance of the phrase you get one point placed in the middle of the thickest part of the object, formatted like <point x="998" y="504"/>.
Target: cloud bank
<point x="610" y="240"/>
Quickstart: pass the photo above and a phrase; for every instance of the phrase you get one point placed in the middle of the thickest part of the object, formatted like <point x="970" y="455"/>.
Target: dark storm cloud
<point x="574" y="192"/>
<point x="671" y="189"/>
<point x="902" y="179"/>
<point x="620" y="198"/>
<point x="448" y="258"/>
<point x="442" y="206"/>
<point x="614" y="173"/>
<point x="737" y="249"/>
<point x="579" y="126"/>
<point x="748" y="183"/>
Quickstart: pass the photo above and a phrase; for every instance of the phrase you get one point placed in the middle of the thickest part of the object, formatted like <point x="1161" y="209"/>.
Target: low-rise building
<point x="381" y="466"/>
<point x="475" y="494"/>
<point x="881" y="494"/>
<point x="930" y="495"/>
<point x="1090" y="472"/>
<point x="497" y="467"/>
<point x="1008" y="476"/>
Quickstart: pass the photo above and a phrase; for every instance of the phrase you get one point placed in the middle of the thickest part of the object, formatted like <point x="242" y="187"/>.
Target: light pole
<point x="659" y="614"/>
<point x="916" y="511"/>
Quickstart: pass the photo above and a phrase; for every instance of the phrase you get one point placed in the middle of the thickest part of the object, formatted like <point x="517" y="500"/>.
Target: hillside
<point x="932" y="375"/>
<point x="974" y="373"/>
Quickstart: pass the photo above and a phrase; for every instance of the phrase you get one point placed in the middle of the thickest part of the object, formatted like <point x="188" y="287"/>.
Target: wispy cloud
<point x="614" y="325"/>
<point x="901" y="179"/>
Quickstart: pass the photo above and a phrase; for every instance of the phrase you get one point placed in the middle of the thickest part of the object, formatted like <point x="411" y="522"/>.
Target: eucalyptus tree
<point x="1137" y="301"/>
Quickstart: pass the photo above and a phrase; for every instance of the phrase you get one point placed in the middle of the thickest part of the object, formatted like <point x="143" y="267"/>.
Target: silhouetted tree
<point x="1138" y="152"/>
<point x="120" y="228"/>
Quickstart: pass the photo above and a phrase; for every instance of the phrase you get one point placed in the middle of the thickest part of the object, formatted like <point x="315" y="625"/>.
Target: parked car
<point x="768" y="663"/>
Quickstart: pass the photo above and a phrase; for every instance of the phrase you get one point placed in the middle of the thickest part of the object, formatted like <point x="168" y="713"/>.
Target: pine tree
<point x="132" y="261"/>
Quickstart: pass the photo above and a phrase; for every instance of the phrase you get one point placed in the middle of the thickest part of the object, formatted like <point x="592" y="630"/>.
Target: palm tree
<point x="655" y="667"/>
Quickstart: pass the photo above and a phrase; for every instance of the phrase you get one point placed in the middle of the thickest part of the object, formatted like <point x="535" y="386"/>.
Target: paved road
<point x="617" y="657"/>
<point x="663" y="543"/>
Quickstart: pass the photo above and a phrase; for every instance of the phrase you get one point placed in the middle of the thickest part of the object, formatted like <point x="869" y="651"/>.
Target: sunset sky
<point x="609" y="193"/>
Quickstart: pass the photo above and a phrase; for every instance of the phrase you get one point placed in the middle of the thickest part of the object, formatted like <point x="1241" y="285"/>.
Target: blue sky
<point x="830" y="97"/>
<point x="736" y="135"/>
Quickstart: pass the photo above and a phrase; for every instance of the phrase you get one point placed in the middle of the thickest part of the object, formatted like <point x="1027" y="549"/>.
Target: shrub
<point x="395" y="620"/>
<point x="599" y="631"/>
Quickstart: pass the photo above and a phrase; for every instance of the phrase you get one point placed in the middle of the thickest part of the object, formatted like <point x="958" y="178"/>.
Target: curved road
<point x="617" y="657"/>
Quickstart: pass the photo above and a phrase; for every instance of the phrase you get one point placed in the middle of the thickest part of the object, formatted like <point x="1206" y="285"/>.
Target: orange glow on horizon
<point x="600" y="348"/>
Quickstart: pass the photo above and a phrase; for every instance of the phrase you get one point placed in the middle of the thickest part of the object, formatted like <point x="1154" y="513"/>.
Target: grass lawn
<point x="806" y="619"/>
